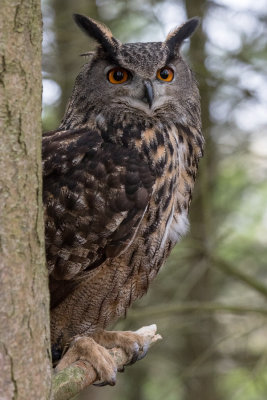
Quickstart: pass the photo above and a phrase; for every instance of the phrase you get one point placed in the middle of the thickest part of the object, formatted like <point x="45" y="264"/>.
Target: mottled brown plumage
<point x="118" y="179"/>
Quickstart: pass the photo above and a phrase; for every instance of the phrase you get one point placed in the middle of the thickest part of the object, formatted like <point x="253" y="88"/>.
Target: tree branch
<point x="70" y="381"/>
<point x="241" y="276"/>
<point x="193" y="307"/>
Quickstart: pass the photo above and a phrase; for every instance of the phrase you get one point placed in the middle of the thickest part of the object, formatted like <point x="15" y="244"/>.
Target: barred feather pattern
<point x="118" y="178"/>
<point x="115" y="205"/>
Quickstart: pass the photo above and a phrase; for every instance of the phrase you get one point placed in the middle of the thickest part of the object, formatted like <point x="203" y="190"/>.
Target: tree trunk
<point x="200" y="383"/>
<point x="24" y="302"/>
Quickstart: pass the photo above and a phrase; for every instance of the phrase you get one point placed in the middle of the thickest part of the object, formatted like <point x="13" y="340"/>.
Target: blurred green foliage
<point x="204" y="355"/>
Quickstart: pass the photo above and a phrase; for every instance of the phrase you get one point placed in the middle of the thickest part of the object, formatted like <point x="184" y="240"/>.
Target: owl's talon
<point x="133" y="359"/>
<point x="145" y="350"/>
<point x="86" y="349"/>
<point x="134" y="354"/>
<point x="100" y="384"/>
<point x="132" y="343"/>
<point x="139" y="354"/>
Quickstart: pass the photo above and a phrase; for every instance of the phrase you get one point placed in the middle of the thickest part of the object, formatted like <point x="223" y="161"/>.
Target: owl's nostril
<point x="149" y="93"/>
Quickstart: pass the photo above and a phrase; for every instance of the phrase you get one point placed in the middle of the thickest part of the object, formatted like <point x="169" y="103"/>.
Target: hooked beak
<point x="149" y="93"/>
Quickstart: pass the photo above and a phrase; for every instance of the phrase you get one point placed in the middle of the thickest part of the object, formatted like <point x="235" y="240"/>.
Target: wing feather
<point x="95" y="194"/>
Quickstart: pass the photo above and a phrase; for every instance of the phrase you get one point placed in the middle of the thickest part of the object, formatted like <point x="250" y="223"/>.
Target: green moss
<point x="67" y="383"/>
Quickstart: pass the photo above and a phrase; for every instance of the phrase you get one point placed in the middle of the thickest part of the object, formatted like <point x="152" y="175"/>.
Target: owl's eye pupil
<point x="118" y="76"/>
<point x="164" y="73"/>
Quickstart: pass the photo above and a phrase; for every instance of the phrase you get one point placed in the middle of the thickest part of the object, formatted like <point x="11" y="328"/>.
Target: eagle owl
<point x="118" y="179"/>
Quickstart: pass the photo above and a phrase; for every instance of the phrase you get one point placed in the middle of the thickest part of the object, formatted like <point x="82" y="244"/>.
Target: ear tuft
<point x="176" y="37"/>
<point x="99" y="32"/>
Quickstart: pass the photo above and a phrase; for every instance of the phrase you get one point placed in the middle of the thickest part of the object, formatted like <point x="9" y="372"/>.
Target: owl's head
<point x="141" y="78"/>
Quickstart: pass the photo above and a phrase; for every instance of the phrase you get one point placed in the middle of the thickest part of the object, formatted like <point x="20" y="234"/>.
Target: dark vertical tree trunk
<point x="24" y="302"/>
<point x="200" y="383"/>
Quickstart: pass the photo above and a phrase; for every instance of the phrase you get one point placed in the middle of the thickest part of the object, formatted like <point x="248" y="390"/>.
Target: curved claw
<point x="100" y="384"/>
<point x="138" y="354"/>
<point x="135" y="354"/>
<point x="144" y="352"/>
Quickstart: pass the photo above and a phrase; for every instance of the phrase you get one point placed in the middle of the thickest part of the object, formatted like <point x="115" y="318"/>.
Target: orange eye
<point x="117" y="75"/>
<point x="165" y="74"/>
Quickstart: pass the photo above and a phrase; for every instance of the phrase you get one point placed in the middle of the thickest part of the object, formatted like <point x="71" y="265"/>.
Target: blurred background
<point x="209" y="301"/>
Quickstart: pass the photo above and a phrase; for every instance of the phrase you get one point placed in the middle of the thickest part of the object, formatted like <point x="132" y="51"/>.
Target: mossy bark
<point x="24" y="314"/>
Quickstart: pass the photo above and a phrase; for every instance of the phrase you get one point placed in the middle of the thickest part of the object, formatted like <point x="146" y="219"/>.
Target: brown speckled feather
<point x="118" y="180"/>
<point x="95" y="195"/>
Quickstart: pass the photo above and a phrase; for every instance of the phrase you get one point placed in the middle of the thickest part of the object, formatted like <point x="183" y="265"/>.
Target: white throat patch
<point x="177" y="226"/>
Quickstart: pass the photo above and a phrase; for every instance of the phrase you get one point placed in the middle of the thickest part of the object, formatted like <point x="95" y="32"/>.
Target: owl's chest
<point x="165" y="219"/>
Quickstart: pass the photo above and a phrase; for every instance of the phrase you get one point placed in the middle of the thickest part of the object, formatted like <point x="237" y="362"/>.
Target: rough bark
<point x="24" y="315"/>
